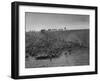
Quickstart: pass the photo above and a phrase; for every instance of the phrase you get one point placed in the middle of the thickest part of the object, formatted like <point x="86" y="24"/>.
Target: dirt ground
<point x="78" y="57"/>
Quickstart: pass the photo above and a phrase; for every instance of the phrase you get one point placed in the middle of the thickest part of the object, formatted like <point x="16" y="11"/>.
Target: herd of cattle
<point x="56" y="52"/>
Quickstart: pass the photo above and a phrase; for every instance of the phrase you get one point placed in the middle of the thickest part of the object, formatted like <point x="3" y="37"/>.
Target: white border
<point x="53" y="70"/>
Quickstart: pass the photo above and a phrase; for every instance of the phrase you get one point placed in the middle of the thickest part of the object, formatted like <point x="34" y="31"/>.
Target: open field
<point x="78" y="58"/>
<point x="57" y="48"/>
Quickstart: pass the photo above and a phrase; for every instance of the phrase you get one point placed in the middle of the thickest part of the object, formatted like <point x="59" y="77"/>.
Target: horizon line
<point x="55" y="30"/>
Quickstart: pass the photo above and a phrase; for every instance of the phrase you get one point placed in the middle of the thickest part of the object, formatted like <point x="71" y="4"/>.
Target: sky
<point x="38" y="21"/>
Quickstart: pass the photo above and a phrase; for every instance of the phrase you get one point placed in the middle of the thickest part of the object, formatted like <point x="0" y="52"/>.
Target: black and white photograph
<point x="53" y="40"/>
<point x="50" y="40"/>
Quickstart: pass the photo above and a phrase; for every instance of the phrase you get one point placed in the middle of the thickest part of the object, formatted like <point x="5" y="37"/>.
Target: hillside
<point x="54" y="42"/>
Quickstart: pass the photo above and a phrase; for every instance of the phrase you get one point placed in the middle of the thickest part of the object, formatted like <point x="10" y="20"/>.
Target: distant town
<point x="57" y="29"/>
<point x="61" y="29"/>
